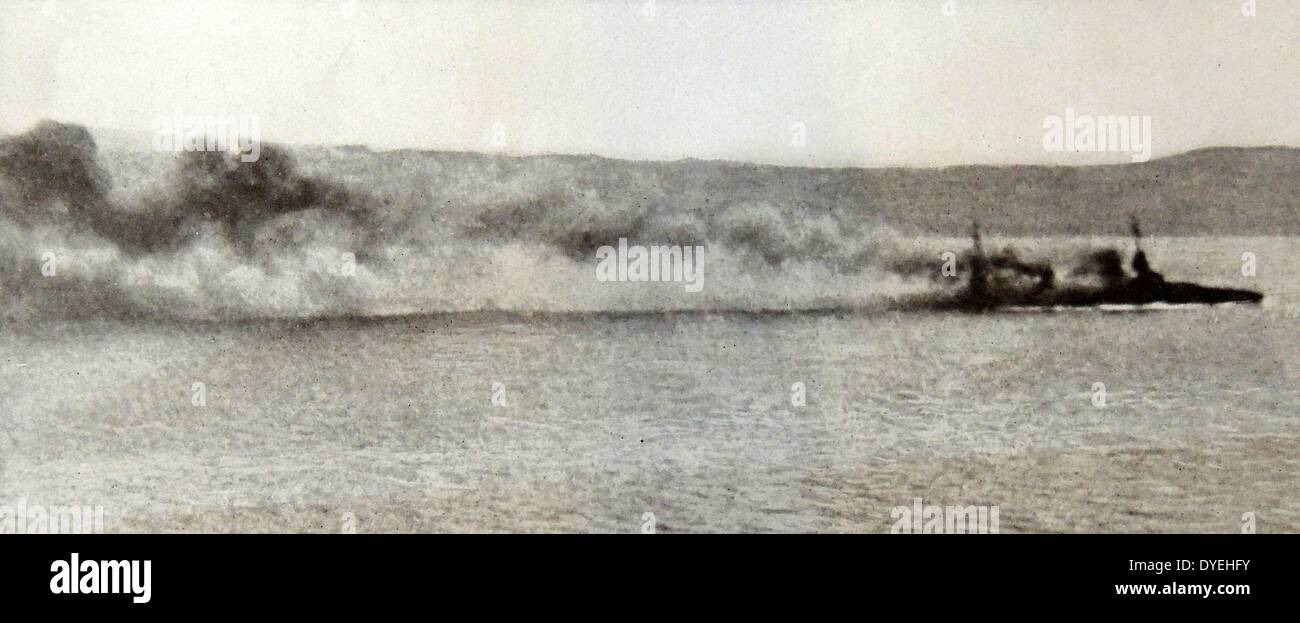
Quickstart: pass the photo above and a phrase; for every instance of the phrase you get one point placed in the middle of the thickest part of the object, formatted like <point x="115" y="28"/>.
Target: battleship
<point x="1002" y="281"/>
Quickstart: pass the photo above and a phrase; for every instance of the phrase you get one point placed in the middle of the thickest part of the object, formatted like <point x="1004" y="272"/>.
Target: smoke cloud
<point x="309" y="232"/>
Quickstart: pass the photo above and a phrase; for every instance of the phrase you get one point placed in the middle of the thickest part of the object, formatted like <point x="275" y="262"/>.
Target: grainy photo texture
<point x="652" y="266"/>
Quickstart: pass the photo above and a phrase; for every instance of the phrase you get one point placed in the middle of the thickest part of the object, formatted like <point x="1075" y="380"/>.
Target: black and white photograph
<point x="649" y="267"/>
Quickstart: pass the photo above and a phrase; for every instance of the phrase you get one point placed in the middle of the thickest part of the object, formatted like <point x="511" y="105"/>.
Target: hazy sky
<point x="921" y="82"/>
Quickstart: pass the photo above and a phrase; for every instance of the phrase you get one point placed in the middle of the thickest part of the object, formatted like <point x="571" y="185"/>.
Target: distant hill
<point x="1216" y="191"/>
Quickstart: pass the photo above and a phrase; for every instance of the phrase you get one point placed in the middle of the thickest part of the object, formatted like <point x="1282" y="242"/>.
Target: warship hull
<point x="1131" y="294"/>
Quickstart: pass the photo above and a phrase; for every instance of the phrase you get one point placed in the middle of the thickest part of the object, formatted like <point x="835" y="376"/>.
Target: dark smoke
<point x="240" y="198"/>
<point x="1008" y="266"/>
<point x="577" y="223"/>
<point x="1104" y="264"/>
<point x="215" y="237"/>
<point x="51" y="176"/>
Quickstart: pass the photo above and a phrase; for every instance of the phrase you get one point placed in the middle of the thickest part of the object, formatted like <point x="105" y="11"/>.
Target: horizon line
<point x="96" y="132"/>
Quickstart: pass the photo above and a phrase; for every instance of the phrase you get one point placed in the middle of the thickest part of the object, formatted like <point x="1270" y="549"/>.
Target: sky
<point x="865" y="83"/>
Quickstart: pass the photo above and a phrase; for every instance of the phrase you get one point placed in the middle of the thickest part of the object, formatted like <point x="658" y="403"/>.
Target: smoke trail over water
<point x="346" y="231"/>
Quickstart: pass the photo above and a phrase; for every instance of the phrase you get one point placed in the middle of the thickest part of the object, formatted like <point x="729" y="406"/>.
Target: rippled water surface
<point x="693" y="417"/>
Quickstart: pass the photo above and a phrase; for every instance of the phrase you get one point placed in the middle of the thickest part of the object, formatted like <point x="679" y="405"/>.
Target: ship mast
<point x="1140" y="264"/>
<point x="979" y="265"/>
